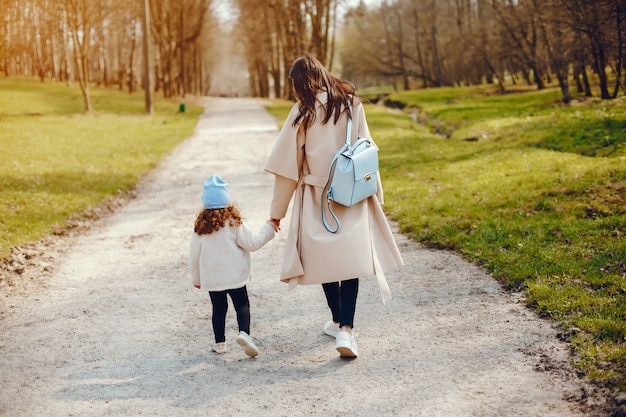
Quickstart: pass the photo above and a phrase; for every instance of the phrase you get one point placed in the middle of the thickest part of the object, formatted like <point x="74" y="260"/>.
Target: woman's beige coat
<point x="364" y="245"/>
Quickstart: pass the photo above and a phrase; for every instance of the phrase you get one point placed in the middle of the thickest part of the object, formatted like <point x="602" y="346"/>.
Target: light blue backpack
<point x="351" y="176"/>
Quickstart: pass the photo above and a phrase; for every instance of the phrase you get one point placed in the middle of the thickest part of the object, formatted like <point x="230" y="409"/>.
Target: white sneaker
<point x="331" y="328"/>
<point x="220" y="347"/>
<point x="245" y="341"/>
<point x="346" y="345"/>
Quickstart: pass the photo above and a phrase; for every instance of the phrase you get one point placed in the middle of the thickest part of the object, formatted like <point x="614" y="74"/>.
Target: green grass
<point x="57" y="162"/>
<point x="531" y="189"/>
<point x="533" y="119"/>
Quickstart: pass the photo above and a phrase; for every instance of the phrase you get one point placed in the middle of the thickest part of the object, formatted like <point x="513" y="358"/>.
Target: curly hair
<point x="210" y="220"/>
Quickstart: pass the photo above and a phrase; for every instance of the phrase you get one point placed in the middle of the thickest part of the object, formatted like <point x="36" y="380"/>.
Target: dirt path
<point x="117" y="331"/>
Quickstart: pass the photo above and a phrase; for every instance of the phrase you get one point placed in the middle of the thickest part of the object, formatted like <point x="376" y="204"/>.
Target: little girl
<point x="220" y="260"/>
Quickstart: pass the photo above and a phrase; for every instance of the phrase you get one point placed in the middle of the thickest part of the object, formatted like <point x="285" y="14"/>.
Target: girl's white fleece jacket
<point x="221" y="260"/>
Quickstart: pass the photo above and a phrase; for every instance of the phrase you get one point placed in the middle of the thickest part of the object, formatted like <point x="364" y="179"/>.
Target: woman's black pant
<point x="341" y="297"/>
<point x="220" y="308"/>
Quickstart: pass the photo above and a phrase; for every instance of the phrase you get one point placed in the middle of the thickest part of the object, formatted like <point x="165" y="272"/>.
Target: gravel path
<point x="115" y="329"/>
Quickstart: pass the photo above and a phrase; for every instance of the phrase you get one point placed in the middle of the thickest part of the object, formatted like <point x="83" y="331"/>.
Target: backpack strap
<point x="326" y="192"/>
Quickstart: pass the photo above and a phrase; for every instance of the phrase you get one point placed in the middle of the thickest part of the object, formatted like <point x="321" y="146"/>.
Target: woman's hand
<point x="275" y="224"/>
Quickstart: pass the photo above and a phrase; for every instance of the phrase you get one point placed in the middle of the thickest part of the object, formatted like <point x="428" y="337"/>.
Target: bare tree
<point x="4" y="36"/>
<point x="145" y="27"/>
<point x="176" y="27"/>
<point x="276" y="32"/>
<point x="557" y="44"/>
<point x="422" y="71"/>
<point x="79" y="17"/>
<point x="585" y="18"/>
<point x="258" y="24"/>
<point x="618" y="9"/>
<point x="369" y="46"/>
<point x="361" y="48"/>
<point x="519" y="22"/>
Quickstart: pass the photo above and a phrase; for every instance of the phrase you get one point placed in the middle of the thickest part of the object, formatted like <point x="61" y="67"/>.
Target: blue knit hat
<point x="215" y="195"/>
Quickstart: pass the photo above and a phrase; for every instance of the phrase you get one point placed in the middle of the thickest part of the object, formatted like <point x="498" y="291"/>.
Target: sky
<point x="225" y="10"/>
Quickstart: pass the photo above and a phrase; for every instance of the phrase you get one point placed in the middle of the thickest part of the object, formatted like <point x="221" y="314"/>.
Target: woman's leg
<point x="345" y="342"/>
<point x="333" y="298"/>
<point x="348" y="293"/>
<point x="242" y="307"/>
<point x="220" y="308"/>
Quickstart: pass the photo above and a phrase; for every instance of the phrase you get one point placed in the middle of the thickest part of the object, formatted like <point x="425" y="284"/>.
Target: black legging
<point x="341" y="298"/>
<point x="220" y="308"/>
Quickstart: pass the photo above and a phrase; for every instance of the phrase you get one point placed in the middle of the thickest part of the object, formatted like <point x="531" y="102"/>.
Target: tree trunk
<point x="102" y="47"/>
<point x="600" y="62"/>
<point x="556" y="49"/>
<point x="132" y="77"/>
<point x="620" y="13"/>
<point x="79" y="21"/>
<point x="418" y="47"/>
<point x="181" y="78"/>
<point x="4" y="36"/>
<point x="147" y="85"/>
<point x="437" y="64"/>
<point x="404" y="73"/>
<point x="437" y="69"/>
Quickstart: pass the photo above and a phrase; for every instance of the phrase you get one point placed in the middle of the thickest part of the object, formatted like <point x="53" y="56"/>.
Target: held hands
<point x="275" y="223"/>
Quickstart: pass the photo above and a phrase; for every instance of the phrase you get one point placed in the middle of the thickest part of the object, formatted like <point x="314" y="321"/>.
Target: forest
<point x="578" y="45"/>
<point x="101" y="42"/>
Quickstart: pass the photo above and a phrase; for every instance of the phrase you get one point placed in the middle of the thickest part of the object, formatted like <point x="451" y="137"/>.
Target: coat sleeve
<point x="283" y="191"/>
<point x="285" y="162"/>
<point x="363" y="130"/>
<point x="286" y="156"/>
<point x="194" y="259"/>
<point x="252" y="241"/>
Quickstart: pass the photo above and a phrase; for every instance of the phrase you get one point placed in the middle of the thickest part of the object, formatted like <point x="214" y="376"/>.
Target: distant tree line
<point x="99" y="41"/>
<point x="406" y="43"/>
<point x="432" y="43"/>
<point x="276" y="32"/>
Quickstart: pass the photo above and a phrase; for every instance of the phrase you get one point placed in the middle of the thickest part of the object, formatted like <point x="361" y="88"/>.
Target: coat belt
<point x="315" y="180"/>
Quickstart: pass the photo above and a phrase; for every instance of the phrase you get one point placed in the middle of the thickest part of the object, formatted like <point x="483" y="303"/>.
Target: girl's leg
<point x="332" y="292"/>
<point x="220" y="308"/>
<point x="349" y="291"/>
<point x="242" y="307"/>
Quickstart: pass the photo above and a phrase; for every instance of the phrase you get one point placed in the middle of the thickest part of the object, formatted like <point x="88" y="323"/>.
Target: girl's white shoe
<point x="220" y="347"/>
<point x="245" y="341"/>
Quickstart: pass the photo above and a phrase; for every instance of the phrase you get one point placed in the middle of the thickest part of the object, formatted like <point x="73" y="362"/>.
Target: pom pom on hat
<point x="215" y="195"/>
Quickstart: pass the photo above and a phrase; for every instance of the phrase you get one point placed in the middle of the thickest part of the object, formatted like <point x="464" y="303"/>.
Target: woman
<point x="313" y="133"/>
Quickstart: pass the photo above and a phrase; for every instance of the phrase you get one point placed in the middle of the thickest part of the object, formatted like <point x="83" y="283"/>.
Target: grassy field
<point x="531" y="189"/>
<point x="56" y="162"/>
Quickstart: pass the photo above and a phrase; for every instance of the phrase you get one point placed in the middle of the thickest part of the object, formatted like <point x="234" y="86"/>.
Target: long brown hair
<point x="311" y="77"/>
<point x="210" y="220"/>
